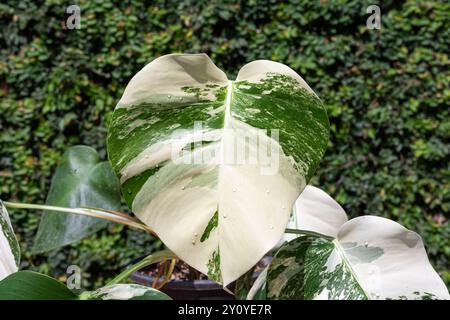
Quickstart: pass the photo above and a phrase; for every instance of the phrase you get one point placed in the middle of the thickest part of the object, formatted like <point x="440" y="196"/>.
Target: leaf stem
<point x="167" y="274"/>
<point x="307" y="233"/>
<point x="90" y="212"/>
<point x="151" y="259"/>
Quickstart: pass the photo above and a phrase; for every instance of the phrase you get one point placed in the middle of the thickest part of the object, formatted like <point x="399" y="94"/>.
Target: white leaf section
<point x="316" y="211"/>
<point x="402" y="271"/>
<point x="125" y="292"/>
<point x="167" y="75"/>
<point x="9" y="248"/>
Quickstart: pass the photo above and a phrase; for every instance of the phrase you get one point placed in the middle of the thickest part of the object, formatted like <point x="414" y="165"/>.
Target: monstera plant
<point x="214" y="168"/>
<point x="367" y="257"/>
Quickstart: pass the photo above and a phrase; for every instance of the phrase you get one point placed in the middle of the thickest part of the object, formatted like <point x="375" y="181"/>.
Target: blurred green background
<point x="386" y="91"/>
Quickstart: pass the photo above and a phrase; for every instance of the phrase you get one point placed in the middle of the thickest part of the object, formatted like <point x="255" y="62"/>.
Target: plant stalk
<point x="167" y="274"/>
<point x="307" y="233"/>
<point x="108" y="215"/>
<point x="151" y="259"/>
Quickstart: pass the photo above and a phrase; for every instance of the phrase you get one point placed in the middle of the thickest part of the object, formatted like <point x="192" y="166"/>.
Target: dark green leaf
<point x="81" y="180"/>
<point x="29" y="285"/>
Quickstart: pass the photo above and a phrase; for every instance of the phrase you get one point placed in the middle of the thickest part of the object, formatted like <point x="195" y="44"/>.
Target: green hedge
<point x="387" y="94"/>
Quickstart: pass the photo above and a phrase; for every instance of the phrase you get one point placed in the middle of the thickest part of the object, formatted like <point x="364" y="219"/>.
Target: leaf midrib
<point x="341" y="253"/>
<point x="226" y="121"/>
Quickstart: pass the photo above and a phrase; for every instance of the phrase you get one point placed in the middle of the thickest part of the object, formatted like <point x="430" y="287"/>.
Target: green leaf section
<point x="29" y="285"/>
<point x="126" y="140"/>
<point x="278" y="102"/>
<point x="310" y="266"/>
<point x="81" y="180"/>
<point x="242" y="285"/>
<point x="212" y="224"/>
<point x="214" y="272"/>
<point x="259" y="289"/>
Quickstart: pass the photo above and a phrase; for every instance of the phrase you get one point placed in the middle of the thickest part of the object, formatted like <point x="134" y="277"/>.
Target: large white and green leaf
<point x="81" y="180"/>
<point x="171" y="141"/>
<point x="9" y="246"/>
<point x="371" y="258"/>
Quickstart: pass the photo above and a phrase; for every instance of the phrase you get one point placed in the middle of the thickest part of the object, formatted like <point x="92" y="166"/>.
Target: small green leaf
<point x="81" y="180"/>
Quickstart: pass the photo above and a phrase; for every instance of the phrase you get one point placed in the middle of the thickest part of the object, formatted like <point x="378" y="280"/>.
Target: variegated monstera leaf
<point x="365" y="258"/>
<point x="214" y="166"/>
<point x="9" y="247"/>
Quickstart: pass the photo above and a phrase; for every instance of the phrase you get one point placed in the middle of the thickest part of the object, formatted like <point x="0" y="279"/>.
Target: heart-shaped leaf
<point x="197" y="165"/>
<point x="9" y="247"/>
<point x="81" y="180"/>
<point x="369" y="258"/>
